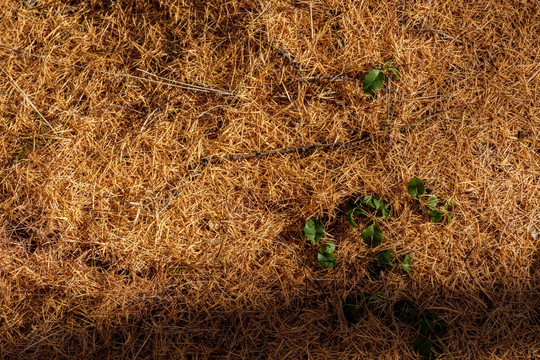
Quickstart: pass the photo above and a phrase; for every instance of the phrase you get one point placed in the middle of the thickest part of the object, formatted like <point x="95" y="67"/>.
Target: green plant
<point x="429" y="325"/>
<point x="438" y="211"/>
<point x="353" y="306"/>
<point x="314" y="231"/>
<point x="416" y="187"/>
<point x="325" y="255"/>
<point x="373" y="235"/>
<point x="374" y="79"/>
<point x="368" y="204"/>
<point x="406" y="264"/>
<point x="383" y="262"/>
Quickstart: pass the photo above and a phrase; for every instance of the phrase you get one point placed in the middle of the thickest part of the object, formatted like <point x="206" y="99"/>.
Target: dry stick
<point x="330" y="78"/>
<point x="190" y="86"/>
<point x="28" y="100"/>
<point x="474" y="279"/>
<point x="167" y="82"/>
<point x="298" y="149"/>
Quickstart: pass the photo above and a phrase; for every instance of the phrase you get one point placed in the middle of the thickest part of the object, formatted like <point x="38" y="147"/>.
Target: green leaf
<point x="326" y="259"/>
<point x="368" y="200"/>
<point x="350" y="309"/>
<point x="450" y="205"/>
<point x="372" y="235"/>
<point x="381" y="207"/>
<point x="329" y="248"/>
<point x="386" y="209"/>
<point x="436" y="216"/>
<point x="416" y="187"/>
<point x="406" y="264"/>
<point x="314" y="230"/>
<point x="351" y="210"/>
<point x="373" y="81"/>
<point x="423" y="346"/>
<point x="432" y="202"/>
<point x="384" y="257"/>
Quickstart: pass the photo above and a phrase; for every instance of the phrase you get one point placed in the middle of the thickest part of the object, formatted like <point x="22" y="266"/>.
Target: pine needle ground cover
<point x="160" y="161"/>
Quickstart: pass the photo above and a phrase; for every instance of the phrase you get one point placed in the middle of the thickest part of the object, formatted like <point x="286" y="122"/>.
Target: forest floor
<point x="159" y="160"/>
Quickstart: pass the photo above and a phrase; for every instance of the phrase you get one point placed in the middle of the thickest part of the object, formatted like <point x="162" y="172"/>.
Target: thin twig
<point x="189" y="86"/>
<point x="167" y="82"/>
<point x="136" y="218"/>
<point x="386" y="293"/>
<point x="439" y="32"/>
<point x="329" y="78"/>
<point x="338" y="146"/>
<point x="474" y="279"/>
<point x="28" y="100"/>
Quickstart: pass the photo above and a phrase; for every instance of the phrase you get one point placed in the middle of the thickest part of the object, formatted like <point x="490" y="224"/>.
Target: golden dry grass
<point x="119" y="239"/>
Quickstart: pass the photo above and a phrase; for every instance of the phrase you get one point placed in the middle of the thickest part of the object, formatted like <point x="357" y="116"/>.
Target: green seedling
<point x="325" y="255"/>
<point x="373" y="235"/>
<point x="384" y="258"/>
<point x="406" y="264"/>
<point x="350" y="309"/>
<point x="374" y="79"/>
<point x="314" y="230"/>
<point x="369" y="204"/>
<point x="353" y="307"/>
<point x="416" y="188"/>
<point x="438" y="212"/>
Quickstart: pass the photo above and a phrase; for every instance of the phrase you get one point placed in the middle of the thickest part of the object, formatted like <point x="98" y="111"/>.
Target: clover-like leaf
<point x="329" y="248"/>
<point x="372" y="235"/>
<point x="416" y="187"/>
<point x="327" y="260"/>
<point x="373" y="81"/>
<point x="406" y="264"/>
<point x="436" y="216"/>
<point x="314" y="230"/>
<point x="351" y="210"/>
